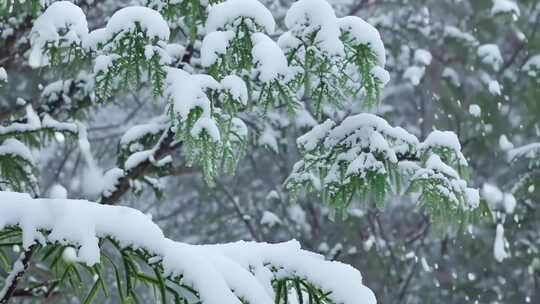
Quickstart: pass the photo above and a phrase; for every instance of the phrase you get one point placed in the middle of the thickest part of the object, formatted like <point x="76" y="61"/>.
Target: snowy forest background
<point x="468" y="66"/>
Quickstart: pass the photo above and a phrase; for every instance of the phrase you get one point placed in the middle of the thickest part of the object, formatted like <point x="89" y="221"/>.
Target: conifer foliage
<point x="208" y="65"/>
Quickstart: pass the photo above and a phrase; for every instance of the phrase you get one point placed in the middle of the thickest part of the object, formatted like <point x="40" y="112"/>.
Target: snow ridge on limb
<point x="221" y="274"/>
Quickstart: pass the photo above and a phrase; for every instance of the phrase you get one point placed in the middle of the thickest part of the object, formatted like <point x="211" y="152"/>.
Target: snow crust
<point x="224" y="14"/>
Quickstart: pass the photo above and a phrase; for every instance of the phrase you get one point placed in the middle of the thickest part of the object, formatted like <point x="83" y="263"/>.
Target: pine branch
<point x="44" y="290"/>
<point x="405" y="287"/>
<point x="19" y="268"/>
<point x="520" y="47"/>
<point x="179" y="262"/>
<point x="166" y="146"/>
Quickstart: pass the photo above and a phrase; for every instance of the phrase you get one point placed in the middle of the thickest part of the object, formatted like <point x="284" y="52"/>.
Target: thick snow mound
<point x="150" y="21"/>
<point x="316" y="16"/>
<point x="226" y="13"/>
<point x="364" y="33"/>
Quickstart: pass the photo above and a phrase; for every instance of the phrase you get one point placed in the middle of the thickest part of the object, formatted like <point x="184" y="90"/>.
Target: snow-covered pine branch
<point x="242" y="272"/>
<point x="364" y="155"/>
<point x="135" y="43"/>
